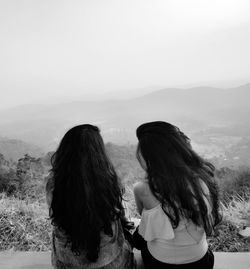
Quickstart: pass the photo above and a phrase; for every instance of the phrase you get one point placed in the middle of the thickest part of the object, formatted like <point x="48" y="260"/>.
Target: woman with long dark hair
<point x="85" y="203"/>
<point x="178" y="201"/>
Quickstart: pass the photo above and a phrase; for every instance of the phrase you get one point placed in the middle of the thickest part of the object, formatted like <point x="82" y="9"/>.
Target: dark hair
<point x="87" y="197"/>
<point x="175" y="174"/>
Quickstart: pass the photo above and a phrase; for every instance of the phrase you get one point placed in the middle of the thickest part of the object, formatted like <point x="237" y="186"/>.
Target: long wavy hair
<point x="87" y="197"/>
<point x="176" y="173"/>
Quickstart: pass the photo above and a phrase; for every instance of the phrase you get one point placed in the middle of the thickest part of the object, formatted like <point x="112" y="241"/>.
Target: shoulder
<point x="143" y="194"/>
<point x="140" y="188"/>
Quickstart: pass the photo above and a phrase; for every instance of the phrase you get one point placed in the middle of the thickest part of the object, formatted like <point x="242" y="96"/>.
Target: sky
<point x="56" y="50"/>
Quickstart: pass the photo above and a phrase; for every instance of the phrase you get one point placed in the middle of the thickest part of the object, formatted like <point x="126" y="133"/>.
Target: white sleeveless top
<point x="185" y="244"/>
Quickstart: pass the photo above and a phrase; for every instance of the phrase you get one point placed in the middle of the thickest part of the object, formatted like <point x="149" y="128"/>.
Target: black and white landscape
<point x="118" y="64"/>
<point x="216" y="119"/>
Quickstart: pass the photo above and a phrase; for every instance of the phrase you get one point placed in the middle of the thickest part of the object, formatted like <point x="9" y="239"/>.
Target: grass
<point x="234" y="184"/>
<point x="236" y="215"/>
<point x="227" y="239"/>
<point x="24" y="223"/>
<point x="237" y="210"/>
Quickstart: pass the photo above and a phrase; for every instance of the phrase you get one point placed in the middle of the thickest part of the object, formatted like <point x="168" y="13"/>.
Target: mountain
<point x="201" y="112"/>
<point x="15" y="149"/>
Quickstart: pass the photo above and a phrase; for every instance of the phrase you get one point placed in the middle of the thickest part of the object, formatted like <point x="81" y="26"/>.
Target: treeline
<point x="24" y="223"/>
<point x="28" y="173"/>
<point x="26" y="177"/>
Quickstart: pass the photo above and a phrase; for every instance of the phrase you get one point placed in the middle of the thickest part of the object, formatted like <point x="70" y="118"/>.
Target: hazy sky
<point x="69" y="48"/>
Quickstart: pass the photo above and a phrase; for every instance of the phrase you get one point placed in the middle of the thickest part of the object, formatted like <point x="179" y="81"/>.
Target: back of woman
<point x="85" y="202"/>
<point x="178" y="201"/>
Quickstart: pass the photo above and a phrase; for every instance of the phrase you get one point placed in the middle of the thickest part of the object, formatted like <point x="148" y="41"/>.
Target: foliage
<point x="9" y="182"/>
<point x="8" y="178"/>
<point x="227" y="239"/>
<point x="233" y="183"/>
<point x="30" y="173"/>
<point x="24" y="223"/>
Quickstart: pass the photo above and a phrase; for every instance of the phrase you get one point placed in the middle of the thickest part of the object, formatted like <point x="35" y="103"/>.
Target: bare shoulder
<point x="143" y="193"/>
<point x="140" y="188"/>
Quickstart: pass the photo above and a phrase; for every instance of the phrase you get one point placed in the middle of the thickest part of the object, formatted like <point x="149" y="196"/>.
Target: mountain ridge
<point x="192" y="109"/>
<point x="15" y="149"/>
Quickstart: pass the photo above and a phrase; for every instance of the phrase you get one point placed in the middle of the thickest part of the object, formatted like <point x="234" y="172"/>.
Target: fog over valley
<point x="217" y="120"/>
<point x="117" y="64"/>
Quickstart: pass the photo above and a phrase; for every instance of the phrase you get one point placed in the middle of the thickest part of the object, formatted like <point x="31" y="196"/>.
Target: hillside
<point x="212" y="117"/>
<point x="23" y="206"/>
<point x="15" y="149"/>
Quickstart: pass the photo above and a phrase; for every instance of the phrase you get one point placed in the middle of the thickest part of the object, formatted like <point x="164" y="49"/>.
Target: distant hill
<point x="15" y="149"/>
<point x="201" y="111"/>
<point x="235" y="156"/>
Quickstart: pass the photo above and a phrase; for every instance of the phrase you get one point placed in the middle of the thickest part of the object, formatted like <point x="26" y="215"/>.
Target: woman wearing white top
<point x="178" y="201"/>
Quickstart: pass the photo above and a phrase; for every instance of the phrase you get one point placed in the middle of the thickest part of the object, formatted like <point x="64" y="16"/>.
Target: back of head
<point x="175" y="172"/>
<point x="87" y="197"/>
<point x="163" y="142"/>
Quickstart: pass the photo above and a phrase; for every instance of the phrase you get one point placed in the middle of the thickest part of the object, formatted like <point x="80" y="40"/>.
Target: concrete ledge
<point x="41" y="260"/>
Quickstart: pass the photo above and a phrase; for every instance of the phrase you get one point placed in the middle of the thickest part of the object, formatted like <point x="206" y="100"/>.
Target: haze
<point x="54" y="50"/>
